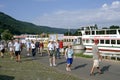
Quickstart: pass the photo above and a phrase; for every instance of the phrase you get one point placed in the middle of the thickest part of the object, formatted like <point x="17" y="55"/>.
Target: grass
<point x="30" y="70"/>
<point x="82" y="55"/>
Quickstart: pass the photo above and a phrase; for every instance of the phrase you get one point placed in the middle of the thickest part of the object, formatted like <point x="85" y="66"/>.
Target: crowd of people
<point x="15" y="47"/>
<point x="55" y="50"/>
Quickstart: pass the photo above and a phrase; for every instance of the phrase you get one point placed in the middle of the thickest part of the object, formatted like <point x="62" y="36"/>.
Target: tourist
<point x="57" y="49"/>
<point x="41" y="48"/>
<point x="17" y="48"/>
<point x="51" y="53"/>
<point x="37" y="45"/>
<point x="28" y="45"/>
<point x="69" y="56"/>
<point x="11" y="48"/>
<point x="61" y="47"/>
<point x="96" y="57"/>
<point x="33" y="49"/>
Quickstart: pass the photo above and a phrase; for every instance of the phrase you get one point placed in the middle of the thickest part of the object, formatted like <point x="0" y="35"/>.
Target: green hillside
<point x="20" y="27"/>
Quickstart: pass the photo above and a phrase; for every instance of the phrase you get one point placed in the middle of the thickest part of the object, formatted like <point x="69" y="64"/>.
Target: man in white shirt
<point x="17" y="48"/>
<point x="51" y="53"/>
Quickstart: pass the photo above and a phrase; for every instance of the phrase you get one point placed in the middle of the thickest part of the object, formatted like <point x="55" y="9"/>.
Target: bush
<point x="82" y="55"/>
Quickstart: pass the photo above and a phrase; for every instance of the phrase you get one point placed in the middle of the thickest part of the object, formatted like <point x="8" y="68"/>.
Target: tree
<point x="114" y="27"/>
<point x="6" y="35"/>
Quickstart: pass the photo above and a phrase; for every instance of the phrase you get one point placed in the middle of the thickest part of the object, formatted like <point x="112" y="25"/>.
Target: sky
<point x="72" y="14"/>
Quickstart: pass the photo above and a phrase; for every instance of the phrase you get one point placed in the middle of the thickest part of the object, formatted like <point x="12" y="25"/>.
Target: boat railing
<point x="110" y="55"/>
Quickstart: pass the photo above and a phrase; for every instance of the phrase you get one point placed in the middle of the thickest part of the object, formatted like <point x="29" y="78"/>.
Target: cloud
<point x="104" y="16"/>
<point x="105" y="6"/>
<point x="114" y="5"/>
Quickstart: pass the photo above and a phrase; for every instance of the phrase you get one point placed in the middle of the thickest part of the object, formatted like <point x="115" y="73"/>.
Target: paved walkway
<point x="81" y="68"/>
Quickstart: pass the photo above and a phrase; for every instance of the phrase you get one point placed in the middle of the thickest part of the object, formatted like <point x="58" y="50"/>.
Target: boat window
<point x="72" y="40"/>
<point x="100" y="32"/>
<point x="97" y="32"/>
<point x="87" y="41"/>
<point x="113" y="41"/>
<point x="107" y="41"/>
<point x="93" y="32"/>
<point x="111" y="32"/>
<point x="101" y="41"/>
<point x="119" y="31"/>
<point x="118" y="41"/>
<point x="64" y="40"/>
<point x="87" y="32"/>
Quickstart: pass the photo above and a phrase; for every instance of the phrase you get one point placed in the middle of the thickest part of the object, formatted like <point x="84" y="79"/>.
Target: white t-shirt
<point x="57" y="45"/>
<point x="32" y="45"/>
<point x="17" y="46"/>
<point x="69" y="52"/>
<point x="11" y="46"/>
<point x="51" y="46"/>
<point x="2" y="47"/>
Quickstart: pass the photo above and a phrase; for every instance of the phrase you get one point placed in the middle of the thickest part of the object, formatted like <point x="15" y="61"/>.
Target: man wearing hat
<point x="96" y="57"/>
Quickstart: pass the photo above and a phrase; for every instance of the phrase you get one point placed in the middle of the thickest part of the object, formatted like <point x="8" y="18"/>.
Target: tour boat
<point x="109" y="39"/>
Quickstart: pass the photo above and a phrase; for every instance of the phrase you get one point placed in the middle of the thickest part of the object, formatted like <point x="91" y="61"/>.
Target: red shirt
<point x="60" y="44"/>
<point x="41" y="45"/>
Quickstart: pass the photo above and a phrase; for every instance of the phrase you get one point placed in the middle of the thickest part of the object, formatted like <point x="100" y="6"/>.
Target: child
<point x="69" y="57"/>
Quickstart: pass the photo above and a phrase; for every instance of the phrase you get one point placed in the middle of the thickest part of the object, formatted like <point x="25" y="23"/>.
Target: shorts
<point x="69" y="60"/>
<point x="61" y="49"/>
<point x="11" y="49"/>
<point x="3" y="50"/>
<point x="17" y="53"/>
<point x="52" y="53"/>
<point x="96" y="63"/>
